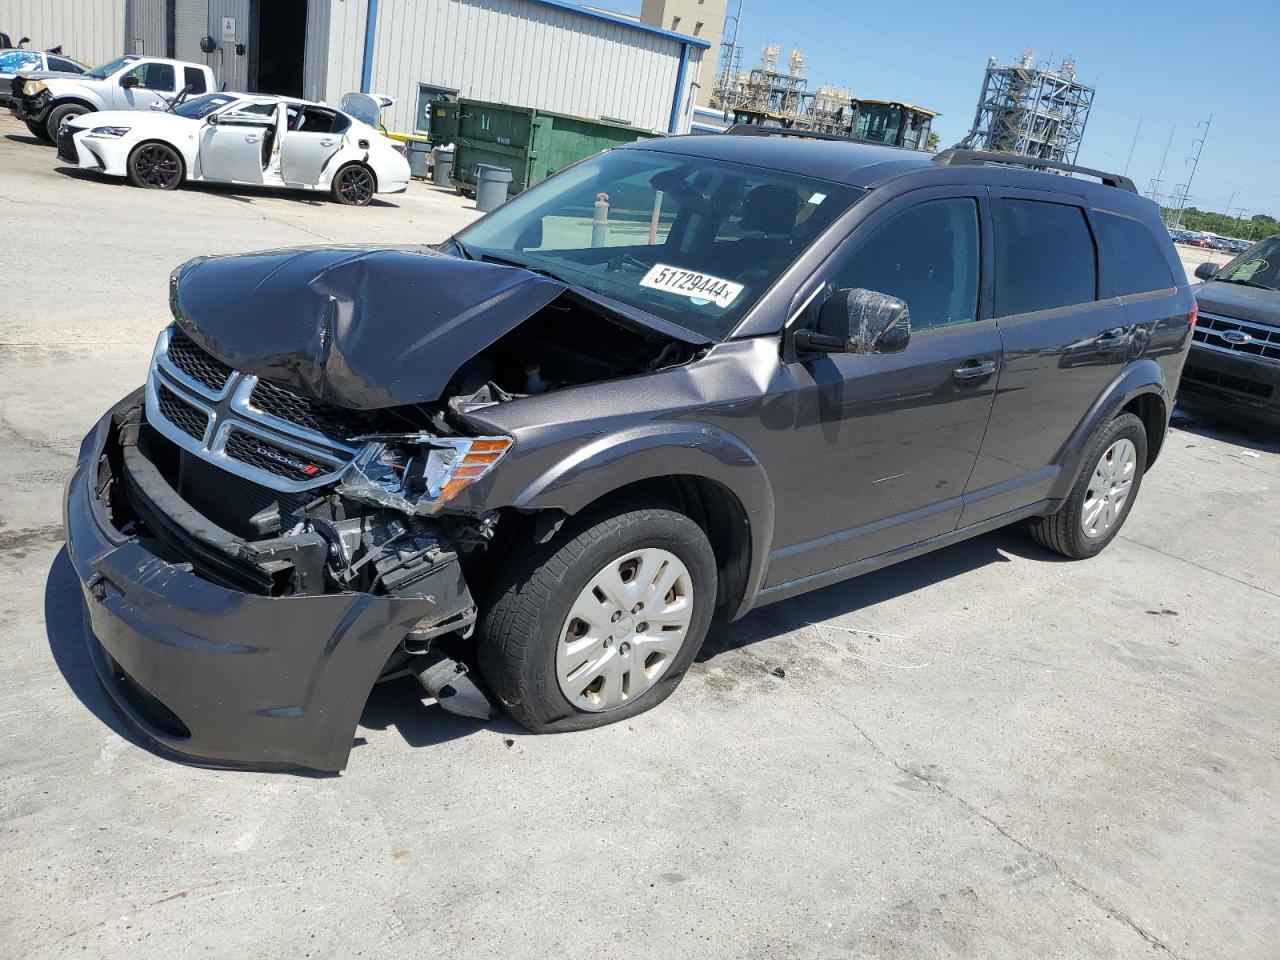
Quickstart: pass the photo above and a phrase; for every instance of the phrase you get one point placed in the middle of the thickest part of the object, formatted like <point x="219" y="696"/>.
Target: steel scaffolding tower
<point x="1034" y="111"/>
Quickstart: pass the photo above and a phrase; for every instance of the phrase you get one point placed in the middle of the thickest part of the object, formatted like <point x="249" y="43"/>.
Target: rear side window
<point x="1133" y="259"/>
<point x="194" y="78"/>
<point x="927" y="257"/>
<point x="1045" y="257"/>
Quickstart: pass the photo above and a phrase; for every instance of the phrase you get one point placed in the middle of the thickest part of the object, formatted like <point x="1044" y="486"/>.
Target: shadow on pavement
<point x="850" y="596"/>
<point x="19" y="138"/>
<point x="311" y="198"/>
<point x="1227" y="429"/>
<point x="403" y="705"/>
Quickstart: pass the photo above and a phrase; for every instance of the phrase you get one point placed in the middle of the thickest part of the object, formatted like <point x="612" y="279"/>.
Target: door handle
<point x="975" y="371"/>
<point x="251" y="138"/>
<point x="326" y="142"/>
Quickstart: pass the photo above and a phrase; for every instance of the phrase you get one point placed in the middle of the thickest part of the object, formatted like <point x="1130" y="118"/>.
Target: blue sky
<point x="1173" y="62"/>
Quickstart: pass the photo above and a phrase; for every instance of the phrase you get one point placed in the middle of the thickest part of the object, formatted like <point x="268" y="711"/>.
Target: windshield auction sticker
<point x="699" y="287"/>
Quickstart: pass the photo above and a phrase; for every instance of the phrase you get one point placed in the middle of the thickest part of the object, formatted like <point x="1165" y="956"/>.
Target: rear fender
<point x="1141" y="376"/>
<point x="663" y="449"/>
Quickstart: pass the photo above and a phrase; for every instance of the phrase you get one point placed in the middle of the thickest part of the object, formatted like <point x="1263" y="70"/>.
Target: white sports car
<point x="239" y="138"/>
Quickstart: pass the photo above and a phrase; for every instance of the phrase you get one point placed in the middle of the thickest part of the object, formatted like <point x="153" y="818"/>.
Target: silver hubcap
<point x="1109" y="488"/>
<point x="624" y="629"/>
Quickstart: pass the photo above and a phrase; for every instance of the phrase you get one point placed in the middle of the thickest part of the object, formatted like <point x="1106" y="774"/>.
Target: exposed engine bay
<point x="253" y="480"/>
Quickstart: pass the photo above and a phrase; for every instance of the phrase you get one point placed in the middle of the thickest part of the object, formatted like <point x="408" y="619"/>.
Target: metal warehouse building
<point x="548" y="54"/>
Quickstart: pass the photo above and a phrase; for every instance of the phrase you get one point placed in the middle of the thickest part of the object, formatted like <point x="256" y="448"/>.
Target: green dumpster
<point x="533" y="144"/>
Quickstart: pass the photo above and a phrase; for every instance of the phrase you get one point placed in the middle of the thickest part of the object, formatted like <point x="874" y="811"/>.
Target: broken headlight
<point x="419" y="473"/>
<point x="31" y="87"/>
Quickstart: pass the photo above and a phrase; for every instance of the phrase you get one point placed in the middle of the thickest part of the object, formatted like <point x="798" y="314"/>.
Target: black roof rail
<point x="958" y="155"/>
<point x="756" y="130"/>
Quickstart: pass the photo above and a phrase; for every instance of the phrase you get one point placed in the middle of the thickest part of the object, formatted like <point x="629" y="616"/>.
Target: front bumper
<point x="220" y="675"/>
<point x="1230" y="382"/>
<point x="31" y="110"/>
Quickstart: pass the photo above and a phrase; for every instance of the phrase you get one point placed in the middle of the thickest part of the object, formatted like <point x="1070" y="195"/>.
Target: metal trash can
<point x="492" y="184"/>
<point x="419" y="150"/>
<point x="441" y="166"/>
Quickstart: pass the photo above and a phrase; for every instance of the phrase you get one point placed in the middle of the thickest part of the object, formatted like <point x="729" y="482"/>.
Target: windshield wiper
<point x="541" y="271"/>
<point x="1246" y="283"/>
<point x="461" y="247"/>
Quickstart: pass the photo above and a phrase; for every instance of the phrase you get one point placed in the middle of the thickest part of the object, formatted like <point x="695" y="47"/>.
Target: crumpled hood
<point x="357" y="327"/>
<point x="1240" y="302"/>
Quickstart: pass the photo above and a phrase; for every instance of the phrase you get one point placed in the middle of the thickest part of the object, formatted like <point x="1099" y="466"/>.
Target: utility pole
<point x="1195" y="162"/>
<point x="1160" y="172"/>
<point x="730" y="81"/>
<point x="1180" y="198"/>
<point x="1132" y="145"/>
<point x="1239" y="213"/>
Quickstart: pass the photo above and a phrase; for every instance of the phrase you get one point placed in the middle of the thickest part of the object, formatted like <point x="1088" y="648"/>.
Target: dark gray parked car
<point x="1234" y="366"/>
<point x="676" y="381"/>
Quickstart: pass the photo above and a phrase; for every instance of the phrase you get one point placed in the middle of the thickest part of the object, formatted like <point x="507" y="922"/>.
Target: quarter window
<point x="1135" y="263"/>
<point x="1046" y="257"/>
<point x="926" y="256"/>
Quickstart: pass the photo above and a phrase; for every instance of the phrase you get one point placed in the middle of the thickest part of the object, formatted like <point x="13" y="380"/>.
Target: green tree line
<point x="1253" y="228"/>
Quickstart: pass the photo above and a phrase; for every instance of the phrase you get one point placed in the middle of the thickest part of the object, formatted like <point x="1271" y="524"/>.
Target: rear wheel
<point x="354" y="185"/>
<point x="1103" y="494"/>
<point x="39" y="132"/>
<point x="156" y="166"/>
<point x="603" y="622"/>
<point x="60" y="115"/>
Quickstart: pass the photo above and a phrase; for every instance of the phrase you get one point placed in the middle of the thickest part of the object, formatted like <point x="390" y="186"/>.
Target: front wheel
<point x="60" y="115"/>
<point x="39" y="132"/>
<point x="156" y="166"/>
<point x="1103" y="494"/>
<point x="603" y="622"/>
<point x="354" y="185"/>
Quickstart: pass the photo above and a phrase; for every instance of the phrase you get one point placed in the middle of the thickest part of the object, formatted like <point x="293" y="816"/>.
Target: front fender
<point x="663" y="449"/>
<point x="1142" y="376"/>
<point x="73" y="92"/>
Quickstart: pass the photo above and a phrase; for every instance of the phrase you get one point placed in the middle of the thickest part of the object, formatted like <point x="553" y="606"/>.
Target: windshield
<point x="201" y="107"/>
<point x="11" y="61"/>
<point x="110" y="67"/>
<point x="1257" y="266"/>
<point x="693" y="241"/>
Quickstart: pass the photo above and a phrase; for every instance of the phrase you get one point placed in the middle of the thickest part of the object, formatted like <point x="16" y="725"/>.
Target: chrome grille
<point x="187" y="417"/>
<point x="282" y="403"/>
<point x="216" y="417"/>
<point x="1237" y="336"/>
<point x="195" y="363"/>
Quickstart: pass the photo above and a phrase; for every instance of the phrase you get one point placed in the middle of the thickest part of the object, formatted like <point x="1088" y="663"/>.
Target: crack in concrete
<point x="1200" y="566"/>
<point x="1097" y="898"/>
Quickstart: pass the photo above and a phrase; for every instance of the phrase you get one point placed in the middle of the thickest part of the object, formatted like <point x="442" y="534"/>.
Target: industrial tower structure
<point x="1034" y="111"/>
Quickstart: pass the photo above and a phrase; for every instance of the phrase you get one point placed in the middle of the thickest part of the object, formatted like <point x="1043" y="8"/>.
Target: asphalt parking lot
<point x="983" y="753"/>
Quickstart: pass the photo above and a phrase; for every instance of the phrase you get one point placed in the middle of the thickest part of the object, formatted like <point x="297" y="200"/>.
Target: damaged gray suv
<point x="672" y="383"/>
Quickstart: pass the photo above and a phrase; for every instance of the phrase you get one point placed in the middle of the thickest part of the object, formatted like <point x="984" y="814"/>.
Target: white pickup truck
<point x="46" y="99"/>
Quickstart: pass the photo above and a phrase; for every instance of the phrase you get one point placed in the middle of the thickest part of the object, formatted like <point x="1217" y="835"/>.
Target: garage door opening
<point x="280" y="27"/>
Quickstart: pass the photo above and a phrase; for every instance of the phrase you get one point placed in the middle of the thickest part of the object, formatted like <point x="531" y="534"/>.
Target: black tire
<point x="155" y="166"/>
<point x="354" y="185"/>
<point x="1064" y="531"/>
<point x="39" y="132"/>
<point x="68" y="111"/>
<point x="533" y="595"/>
